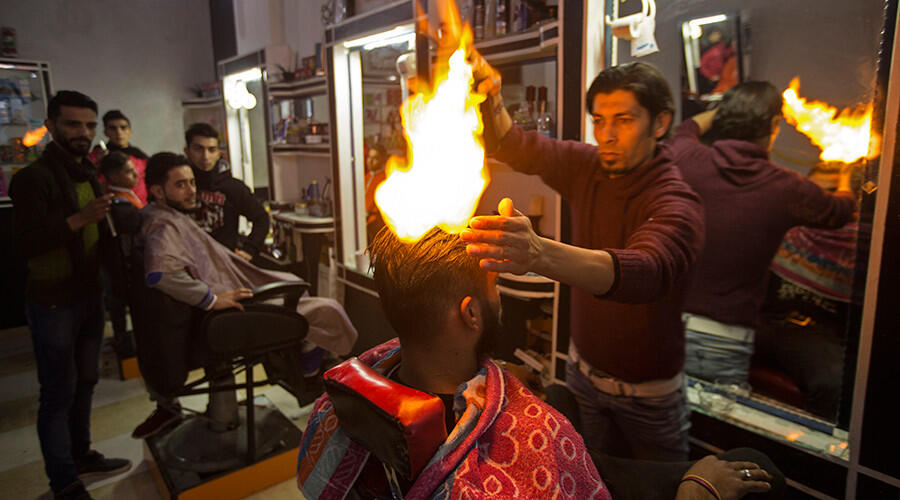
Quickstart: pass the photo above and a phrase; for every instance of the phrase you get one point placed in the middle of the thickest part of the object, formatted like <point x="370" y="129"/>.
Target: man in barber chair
<point x="430" y="415"/>
<point x="187" y="264"/>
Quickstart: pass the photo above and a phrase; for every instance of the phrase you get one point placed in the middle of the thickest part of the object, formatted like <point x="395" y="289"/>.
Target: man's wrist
<point x="75" y="221"/>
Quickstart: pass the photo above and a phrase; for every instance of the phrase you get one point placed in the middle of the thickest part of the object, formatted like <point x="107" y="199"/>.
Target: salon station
<point x="685" y="213"/>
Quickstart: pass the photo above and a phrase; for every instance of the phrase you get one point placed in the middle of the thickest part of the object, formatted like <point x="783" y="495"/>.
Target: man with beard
<point x="637" y="228"/>
<point x="187" y="264"/>
<point x="58" y="208"/>
<point x="222" y="198"/>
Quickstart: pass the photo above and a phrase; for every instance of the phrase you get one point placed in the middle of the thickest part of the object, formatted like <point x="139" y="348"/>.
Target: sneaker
<point x="74" y="491"/>
<point x="160" y="419"/>
<point x="95" y="465"/>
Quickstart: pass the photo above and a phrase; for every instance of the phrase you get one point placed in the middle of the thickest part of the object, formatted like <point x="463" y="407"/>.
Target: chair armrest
<point x="290" y="291"/>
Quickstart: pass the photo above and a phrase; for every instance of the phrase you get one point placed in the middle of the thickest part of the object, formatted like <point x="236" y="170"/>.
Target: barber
<point x="636" y="231"/>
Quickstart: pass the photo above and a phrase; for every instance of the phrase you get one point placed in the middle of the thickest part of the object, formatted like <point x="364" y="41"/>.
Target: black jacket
<point x="222" y="200"/>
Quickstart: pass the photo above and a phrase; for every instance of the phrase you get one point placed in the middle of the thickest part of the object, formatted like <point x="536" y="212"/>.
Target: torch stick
<point x="109" y="219"/>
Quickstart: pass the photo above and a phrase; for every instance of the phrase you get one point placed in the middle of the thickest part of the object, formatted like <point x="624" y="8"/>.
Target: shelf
<point x="202" y="102"/>
<point x="528" y="286"/>
<point x="298" y="88"/>
<point x="536" y="43"/>
<point x="323" y="150"/>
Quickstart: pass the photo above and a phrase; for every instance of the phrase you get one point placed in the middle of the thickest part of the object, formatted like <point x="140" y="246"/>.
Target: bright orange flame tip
<point x="843" y="136"/>
<point x="33" y="137"/>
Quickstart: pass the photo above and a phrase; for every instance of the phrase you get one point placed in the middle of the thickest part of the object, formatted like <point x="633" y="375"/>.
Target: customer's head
<point x="750" y="111"/>
<point x="431" y="290"/>
<point x="632" y="108"/>
<point x="170" y="181"/>
<point x="119" y="170"/>
<point x="72" y="121"/>
<point x="201" y="145"/>
<point x="117" y="128"/>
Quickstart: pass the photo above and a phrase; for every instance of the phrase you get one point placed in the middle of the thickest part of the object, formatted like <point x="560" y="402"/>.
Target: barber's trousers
<point x="66" y="341"/>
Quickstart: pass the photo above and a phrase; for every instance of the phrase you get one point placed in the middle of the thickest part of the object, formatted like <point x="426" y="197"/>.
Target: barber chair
<point x="233" y="449"/>
<point x="402" y="427"/>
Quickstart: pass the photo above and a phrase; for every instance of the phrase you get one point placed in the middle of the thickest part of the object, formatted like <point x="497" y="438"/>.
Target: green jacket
<point x="63" y="265"/>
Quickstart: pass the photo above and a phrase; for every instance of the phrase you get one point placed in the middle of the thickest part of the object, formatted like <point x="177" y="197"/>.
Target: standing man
<point x="636" y="231"/>
<point x="58" y="205"/>
<point x="222" y="197"/>
<point x="117" y="128"/>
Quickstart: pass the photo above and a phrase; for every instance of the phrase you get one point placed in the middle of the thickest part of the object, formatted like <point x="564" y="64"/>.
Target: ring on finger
<point x="746" y="474"/>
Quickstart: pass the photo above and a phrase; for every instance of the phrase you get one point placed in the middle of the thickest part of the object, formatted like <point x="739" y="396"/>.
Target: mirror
<point x="804" y="357"/>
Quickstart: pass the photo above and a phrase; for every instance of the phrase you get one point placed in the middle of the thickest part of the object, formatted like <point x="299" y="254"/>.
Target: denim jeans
<point x="631" y="427"/>
<point x="66" y="341"/>
<point x="713" y="357"/>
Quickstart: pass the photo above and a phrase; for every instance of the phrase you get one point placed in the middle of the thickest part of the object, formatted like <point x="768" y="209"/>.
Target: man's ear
<point x="186" y="151"/>
<point x="661" y="124"/>
<point x="157" y="191"/>
<point x="51" y="126"/>
<point x="470" y="313"/>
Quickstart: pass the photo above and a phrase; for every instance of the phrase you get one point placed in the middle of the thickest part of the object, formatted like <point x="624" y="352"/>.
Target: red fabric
<point x="652" y="223"/>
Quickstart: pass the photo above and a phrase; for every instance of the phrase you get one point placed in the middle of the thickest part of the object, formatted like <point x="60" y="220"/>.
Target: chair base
<point x="193" y="462"/>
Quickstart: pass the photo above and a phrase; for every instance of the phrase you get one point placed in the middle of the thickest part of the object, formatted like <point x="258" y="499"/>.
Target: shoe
<point x="95" y="465"/>
<point x="160" y="419"/>
<point x="74" y="491"/>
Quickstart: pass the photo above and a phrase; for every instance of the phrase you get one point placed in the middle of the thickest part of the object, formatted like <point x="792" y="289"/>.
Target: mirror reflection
<point x="774" y="291"/>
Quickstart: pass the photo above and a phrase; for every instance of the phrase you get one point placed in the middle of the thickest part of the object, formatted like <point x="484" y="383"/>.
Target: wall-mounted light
<point x="235" y="86"/>
<point x="400" y="34"/>
<point x="695" y="25"/>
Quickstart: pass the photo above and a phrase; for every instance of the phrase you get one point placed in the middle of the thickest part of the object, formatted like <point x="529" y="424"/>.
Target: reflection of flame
<point x="842" y="136"/>
<point x="442" y="178"/>
<point x="33" y="137"/>
<point x="793" y="436"/>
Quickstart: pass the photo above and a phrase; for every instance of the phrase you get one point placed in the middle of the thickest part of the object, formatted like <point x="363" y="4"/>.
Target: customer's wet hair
<point x="158" y="167"/>
<point x="68" y="98"/>
<point x="114" y="114"/>
<point x="418" y="281"/>
<point x="746" y="112"/>
<point x="113" y="162"/>
<point x="647" y="83"/>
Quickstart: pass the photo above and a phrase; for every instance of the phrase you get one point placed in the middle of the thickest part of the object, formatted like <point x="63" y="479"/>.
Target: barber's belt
<point x="611" y="385"/>
<point x="702" y="324"/>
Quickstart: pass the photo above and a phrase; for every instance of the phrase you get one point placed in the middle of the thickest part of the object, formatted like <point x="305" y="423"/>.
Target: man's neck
<point x="436" y="371"/>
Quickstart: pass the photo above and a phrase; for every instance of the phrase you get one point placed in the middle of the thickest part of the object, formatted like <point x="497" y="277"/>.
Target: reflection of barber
<point x="637" y="228"/>
<point x="376" y="158"/>
<point x="750" y="203"/>
<point x="712" y="62"/>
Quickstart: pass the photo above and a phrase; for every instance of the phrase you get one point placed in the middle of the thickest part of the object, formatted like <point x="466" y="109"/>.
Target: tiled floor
<point x="118" y="406"/>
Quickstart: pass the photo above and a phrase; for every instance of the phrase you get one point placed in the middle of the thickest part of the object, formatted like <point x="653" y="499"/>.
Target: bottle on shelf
<point x="502" y="18"/>
<point x="478" y="19"/>
<point x="524" y="114"/>
<point x="544" y="120"/>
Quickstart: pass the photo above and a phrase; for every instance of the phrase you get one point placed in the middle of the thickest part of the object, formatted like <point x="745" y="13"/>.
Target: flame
<point x="33" y="137"/>
<point x="843" y="137"/>
<point x="443" y="176"/>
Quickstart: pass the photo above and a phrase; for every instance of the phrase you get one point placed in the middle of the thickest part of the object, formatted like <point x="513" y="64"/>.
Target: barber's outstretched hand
<point x="504" y="243"/>
<point x="730" y="479"/>
<point x="231" y="299"/>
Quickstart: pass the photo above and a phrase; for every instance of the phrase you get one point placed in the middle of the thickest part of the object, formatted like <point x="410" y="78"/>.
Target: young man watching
<point x="637" y="228"/>
<point x="223" y="199"/>
<point x="58" y="208"/>
<point x="117" y="128"/>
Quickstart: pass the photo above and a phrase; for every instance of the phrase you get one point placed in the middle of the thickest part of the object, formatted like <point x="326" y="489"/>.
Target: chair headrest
<point x="401" y="426"/>
<point x="126" y="217"/>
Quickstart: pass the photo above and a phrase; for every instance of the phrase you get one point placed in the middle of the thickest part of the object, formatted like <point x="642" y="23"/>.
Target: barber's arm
<point x="815" y="207"/>
<point x="508" y="243"/>
<point x="704" y="120"/>
<point x="182" y="287"/>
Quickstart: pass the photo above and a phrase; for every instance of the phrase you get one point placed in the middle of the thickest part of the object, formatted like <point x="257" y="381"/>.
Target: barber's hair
<point x="68" y="98"/>
<point x="114" y="114"/>
<point x="158" y="167"/>
<point x="200" y="130"/>
<point x="113" y="162"/>
<point x="746" y="112"/>
<point x="418" y="281"/>
<point x="647" y="83"/>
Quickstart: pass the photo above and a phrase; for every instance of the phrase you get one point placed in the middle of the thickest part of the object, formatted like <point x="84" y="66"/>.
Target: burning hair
<point x="114" y="114"/>
<point x="746" y="112"/>
<point x="69" y="98"/>
<point x="158" y="167"/>
<point x="200" y="130"/>
<point x="647" y="83"/>
<point x="418" y="281"/>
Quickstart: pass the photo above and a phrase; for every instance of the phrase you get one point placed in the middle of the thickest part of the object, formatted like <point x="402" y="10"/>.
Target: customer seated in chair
<point x="502" y="441"/>
<point x="186" y="263"/>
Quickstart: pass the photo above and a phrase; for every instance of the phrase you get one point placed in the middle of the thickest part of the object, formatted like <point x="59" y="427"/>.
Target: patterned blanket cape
<point x="507" y="443"/>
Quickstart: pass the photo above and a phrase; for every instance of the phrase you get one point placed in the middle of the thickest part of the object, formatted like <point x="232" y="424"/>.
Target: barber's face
<point x="204" y="152"/>
<point x="180" y="190"/>
<point x="626" y="136"/>
<point x="74" y="129"/>
<point x="119" y="132"/>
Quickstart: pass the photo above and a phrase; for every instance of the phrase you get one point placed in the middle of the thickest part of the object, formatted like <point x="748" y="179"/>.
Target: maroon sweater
<point x="651" y="222"/>
<point x="750" y="204"/>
